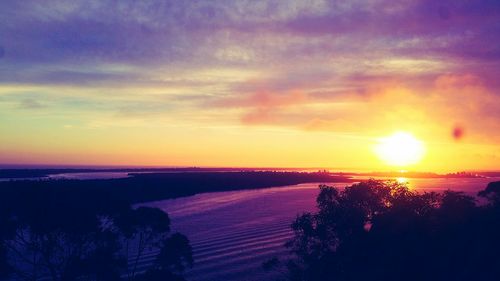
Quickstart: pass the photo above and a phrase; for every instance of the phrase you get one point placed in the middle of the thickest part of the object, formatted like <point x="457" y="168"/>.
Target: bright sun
<point x="400" y="149"/>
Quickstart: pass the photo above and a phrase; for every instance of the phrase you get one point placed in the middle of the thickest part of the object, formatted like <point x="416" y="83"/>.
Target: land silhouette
<point x="373" y="230"/>
<point x="61" y="237"/>
<point x="377" y="230"/>
<point x="51" y="236"/>
<point x="30" y="173"/>
<point x="88" y="229"/>
<point x="144" y="187"/>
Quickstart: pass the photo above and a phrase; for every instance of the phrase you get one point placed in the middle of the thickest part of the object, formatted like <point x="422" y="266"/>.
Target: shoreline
<point x="140" y="188"/>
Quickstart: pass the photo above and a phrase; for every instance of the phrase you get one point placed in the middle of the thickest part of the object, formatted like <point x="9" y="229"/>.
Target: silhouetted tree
<point x="378" y="230"/>
<point x="62" y="241"/>
<point x="63" y="238"/>
<point x="175" y="255"/>
<point x="145" y="230"/>
<point x="492" y="193"/>
<point x="6" y="232"/>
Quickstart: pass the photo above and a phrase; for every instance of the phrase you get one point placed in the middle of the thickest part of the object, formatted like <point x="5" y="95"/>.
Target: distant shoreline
<point x="16" y="173"/>
<point x="41" y="173"/>
<point x="139" y="188"/>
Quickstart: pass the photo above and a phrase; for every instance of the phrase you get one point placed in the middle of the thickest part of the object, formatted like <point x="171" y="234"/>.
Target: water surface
<point x="232" y="233"/>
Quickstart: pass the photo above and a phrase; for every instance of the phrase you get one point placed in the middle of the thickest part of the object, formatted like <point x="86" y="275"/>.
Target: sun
<point x="400" y="149"/>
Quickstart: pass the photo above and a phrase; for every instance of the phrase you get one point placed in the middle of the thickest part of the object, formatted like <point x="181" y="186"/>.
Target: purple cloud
<point x="324" y="49"/>
<point x="165" y="32"/>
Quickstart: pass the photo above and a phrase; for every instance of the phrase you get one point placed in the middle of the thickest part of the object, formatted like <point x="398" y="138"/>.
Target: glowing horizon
<point x="249" y="83"/>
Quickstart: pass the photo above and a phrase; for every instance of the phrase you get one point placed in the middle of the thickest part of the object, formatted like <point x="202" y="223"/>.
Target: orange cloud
<point x="265" y="107"/>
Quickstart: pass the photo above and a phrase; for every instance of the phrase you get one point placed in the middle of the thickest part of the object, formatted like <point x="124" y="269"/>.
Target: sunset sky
<point x="249" y="83"/>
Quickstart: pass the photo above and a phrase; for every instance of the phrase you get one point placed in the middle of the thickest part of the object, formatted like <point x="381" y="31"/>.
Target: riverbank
<point x="157" y="186"/>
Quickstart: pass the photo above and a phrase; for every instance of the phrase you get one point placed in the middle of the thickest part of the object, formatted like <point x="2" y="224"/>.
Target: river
<point x="232" y="233"/>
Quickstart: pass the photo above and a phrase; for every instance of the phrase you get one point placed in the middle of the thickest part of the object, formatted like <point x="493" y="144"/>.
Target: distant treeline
<point x="14" y="173"/>
<point x="158" y="186"/>
<point x="39" y="173"/>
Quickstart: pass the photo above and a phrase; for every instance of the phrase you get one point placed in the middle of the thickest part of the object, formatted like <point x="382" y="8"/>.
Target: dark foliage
<point x="492" y="193"/>
<point x="85" y="229"/>
<point x="156" y="186"/>
<point x="61" y="236"/>
<point x="6" y="232"/>
<point x="383" y="231"/>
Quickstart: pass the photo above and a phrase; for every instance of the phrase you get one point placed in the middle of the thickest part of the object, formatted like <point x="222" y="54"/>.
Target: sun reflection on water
<point x="402" y="180"/>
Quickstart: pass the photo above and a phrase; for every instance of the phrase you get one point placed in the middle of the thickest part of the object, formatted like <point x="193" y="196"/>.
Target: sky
<point x="277" y="83"/>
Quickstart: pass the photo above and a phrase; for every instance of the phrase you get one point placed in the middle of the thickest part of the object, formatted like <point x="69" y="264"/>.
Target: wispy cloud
<point x="300" y="65"/>
<point x="30" y="104"/>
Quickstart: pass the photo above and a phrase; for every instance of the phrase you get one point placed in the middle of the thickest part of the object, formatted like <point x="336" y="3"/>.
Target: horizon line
<point x="5" y="166"/>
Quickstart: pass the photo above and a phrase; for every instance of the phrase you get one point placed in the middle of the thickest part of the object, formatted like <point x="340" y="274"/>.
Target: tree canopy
<point x="377" y="230"/>
<point x="44" y="236"/>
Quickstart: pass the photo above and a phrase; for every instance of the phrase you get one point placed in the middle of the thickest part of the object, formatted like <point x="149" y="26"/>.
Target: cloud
<point x="28" y="103"/>
<point x="166" y="31"/>
<point x="263" y="107"/>
<point x="313" y="65"/>
<point x="433" y="106"/>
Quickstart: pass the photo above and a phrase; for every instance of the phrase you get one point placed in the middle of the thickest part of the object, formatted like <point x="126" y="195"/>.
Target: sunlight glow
<point x="402" y="180"/>
<point x="400" y="149"/>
